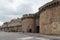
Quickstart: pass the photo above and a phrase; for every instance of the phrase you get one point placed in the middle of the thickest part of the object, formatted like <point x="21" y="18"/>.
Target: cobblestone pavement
<point x="21" y="36"/>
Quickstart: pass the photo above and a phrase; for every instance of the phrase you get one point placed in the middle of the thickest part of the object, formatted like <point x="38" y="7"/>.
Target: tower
<point x="28" y="23"/>
<point x="49" y="19"/>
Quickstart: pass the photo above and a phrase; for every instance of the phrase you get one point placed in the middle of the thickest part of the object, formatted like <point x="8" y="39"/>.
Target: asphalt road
<point x="21" y="36"/>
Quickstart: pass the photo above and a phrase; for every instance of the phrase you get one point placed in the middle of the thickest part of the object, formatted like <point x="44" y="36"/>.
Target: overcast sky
<point x="10" y="9"/>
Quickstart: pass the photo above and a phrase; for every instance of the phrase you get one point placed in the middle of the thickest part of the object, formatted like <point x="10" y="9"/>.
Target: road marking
<point x="32" y="38"/>
<point x="25" y="38"/>
<point x="42" y="38"/>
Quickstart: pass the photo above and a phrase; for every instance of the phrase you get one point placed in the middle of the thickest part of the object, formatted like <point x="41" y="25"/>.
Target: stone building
<point x="5" y="26"/>
<point x="45" y="21"/>
<point x="30" y="23"/>
<point x="13" y="26"/>
<point x="49" y="18"/>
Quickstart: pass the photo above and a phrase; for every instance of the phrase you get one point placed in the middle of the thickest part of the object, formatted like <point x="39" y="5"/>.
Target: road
<point x="21" y="36"/>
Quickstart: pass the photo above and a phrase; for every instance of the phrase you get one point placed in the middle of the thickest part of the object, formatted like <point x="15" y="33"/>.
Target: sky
<point x="11" y="9"/>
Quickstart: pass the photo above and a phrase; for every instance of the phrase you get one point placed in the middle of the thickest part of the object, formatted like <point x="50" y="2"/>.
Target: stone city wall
<point x="49" y="20"/>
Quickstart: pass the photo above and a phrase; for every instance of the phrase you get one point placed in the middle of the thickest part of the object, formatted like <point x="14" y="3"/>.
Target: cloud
<point x="1" y="23"/>
<point x="10" y="9"/>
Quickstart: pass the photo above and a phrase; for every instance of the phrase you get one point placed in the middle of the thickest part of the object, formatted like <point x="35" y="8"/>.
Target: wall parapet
<point x="28" y="16"/>
<point x="49" y="5"/>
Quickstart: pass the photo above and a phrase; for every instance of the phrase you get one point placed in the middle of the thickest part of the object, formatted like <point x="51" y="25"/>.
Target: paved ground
<point x="24" y="36"/>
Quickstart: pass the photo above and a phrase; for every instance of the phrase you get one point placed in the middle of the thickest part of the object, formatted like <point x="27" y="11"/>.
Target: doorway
<point x="37" y="29"/>
<point x="30" y="30"/>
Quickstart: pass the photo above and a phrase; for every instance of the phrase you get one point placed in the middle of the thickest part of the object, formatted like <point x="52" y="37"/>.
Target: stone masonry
<point x="45" y="21"/>
<point x="50" y="18"/>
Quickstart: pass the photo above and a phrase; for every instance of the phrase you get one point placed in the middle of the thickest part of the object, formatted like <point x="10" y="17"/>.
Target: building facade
<point x="13" y="26"/>
<point x="28" y="23"/>
<point x="49" y="20"/>
<point x="5" y="26"/>
<point x="45" y="21"/>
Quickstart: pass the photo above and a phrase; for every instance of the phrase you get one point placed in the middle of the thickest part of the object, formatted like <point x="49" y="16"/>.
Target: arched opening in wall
<point x="30" y="30"/>
<point x="37" y="29"/>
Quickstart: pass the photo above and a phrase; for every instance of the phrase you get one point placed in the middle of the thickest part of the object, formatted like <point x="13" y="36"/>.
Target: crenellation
<point x="49" y="5"/>
<point x="28" y="16"/>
